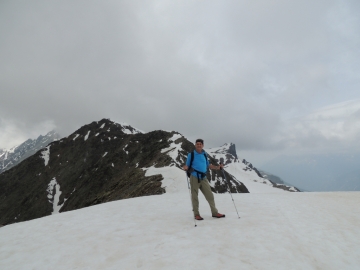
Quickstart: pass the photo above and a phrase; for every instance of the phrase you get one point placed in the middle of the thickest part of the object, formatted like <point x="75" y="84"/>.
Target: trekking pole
<point x="222" y="162"/>
<point x="187" y="179"/>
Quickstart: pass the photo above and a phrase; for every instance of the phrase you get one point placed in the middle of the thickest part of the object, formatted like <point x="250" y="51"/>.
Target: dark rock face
<point x="225" y="184"/>
<point x="11" y="158"/>
<point x="100" y="162"/>
<point x="232" y="150"/>
<point x="227" y="152"/>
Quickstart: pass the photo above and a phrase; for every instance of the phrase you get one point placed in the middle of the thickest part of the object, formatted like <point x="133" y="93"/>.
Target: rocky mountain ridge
<point x="100" y="162"/>
<point x="228" y="153"/>
<point x="14" y="156"/>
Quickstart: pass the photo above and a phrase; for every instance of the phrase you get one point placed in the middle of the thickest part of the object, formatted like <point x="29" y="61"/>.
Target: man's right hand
<point x="185" y="168"/>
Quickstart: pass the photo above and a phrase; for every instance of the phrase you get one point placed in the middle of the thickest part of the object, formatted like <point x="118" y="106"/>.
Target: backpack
<point x="190" y="169"/>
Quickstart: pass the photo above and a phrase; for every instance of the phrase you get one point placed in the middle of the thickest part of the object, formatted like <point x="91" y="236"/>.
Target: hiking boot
<point x="218" y="215"/>
<point x="198" y="217"/>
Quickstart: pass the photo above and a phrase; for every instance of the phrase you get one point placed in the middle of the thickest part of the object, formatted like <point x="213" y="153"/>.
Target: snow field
<point x="276" y="231"/>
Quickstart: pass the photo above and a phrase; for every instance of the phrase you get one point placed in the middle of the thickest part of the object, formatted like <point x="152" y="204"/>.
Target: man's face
<point x="199" y="146"/>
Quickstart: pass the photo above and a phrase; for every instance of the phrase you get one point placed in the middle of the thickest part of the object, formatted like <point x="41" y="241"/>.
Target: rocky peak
<point x="15" y="155"/>
<point x="232" y="150"/>
<point x="226" y="151"/>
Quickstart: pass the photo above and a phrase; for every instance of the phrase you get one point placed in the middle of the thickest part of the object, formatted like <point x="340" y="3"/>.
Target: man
<point x="198" y="169"/>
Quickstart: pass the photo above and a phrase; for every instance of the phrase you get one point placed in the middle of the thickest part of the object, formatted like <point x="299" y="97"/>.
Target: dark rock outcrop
<point x="232" y="150"/>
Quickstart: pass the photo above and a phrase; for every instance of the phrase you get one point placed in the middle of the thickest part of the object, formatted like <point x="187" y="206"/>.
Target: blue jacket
<point x="199" y="163"/>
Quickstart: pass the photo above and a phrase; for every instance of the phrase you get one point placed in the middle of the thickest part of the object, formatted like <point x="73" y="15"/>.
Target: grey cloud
<point x="225" y="71"/>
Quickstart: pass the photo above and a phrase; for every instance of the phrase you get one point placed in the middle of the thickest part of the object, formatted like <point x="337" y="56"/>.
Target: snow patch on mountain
<point x="87" y="136"/>
<point x="127" y="129"/>
<point x="174" y="149"/>
<point x="54" y="193"/>
<point x="12" y="150"/>
<point x="46" y="155"/>
<point x="125" y="150"/>
<point x="77" y="135"/>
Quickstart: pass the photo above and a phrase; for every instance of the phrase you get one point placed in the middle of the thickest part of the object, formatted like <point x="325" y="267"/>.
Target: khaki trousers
<point x="205" y="188"/>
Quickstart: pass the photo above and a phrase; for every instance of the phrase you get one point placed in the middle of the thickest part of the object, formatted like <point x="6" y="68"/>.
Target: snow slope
<point x="276" y="231"/>
<point x="254" y="183"/>
<point x="241" y="171"/>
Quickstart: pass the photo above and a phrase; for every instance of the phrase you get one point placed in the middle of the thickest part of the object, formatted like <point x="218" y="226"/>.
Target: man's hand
<point x="185" y="168"/>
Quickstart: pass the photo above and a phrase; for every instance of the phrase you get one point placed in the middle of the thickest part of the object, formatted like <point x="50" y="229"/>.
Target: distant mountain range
<point x="275" y="179"/>
<point x="12" y="157"/>
<point x="318" y="172"/>
<point x="106" y="161"/>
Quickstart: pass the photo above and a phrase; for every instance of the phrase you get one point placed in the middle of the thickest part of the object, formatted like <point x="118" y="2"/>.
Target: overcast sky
<point x="270" y="76"/>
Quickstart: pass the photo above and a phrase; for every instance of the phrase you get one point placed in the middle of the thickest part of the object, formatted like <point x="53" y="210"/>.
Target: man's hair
<point x="199" y="140"/>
